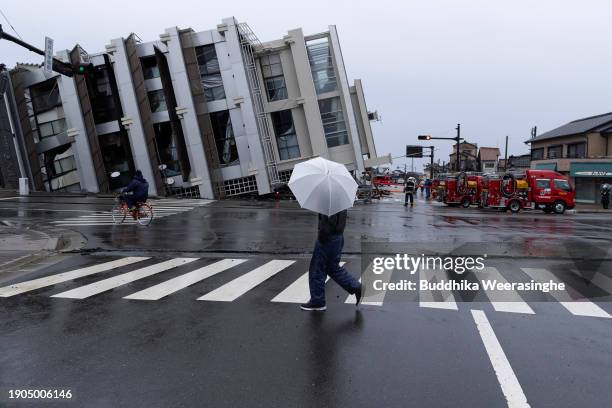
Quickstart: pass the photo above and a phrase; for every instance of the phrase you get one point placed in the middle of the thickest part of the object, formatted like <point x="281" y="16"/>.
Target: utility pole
<point x="506" y="155"/>
<point x="431" y="163"/>
<point x="458" y="138"/>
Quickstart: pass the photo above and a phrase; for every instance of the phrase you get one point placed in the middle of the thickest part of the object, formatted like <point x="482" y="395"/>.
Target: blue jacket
<point x="139" y="187"/>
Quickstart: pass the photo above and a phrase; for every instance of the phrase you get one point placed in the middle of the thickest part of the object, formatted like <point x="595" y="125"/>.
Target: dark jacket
<point x="329" y="226"/>
<point x="409" y="187"/>
<point x="139" y="187"/>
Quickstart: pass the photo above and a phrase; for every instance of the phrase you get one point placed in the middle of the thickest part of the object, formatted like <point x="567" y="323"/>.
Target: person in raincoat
<point x="326" y="261"/>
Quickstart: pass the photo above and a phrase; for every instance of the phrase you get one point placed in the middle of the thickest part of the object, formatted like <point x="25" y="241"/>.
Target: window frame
<point x="157" y="92"/>
<point x="279" y="123"/>
<point x="338" y="119"/>
<point x="270" y="76"/>
<point x="539" y="150"/>
<point x="212" y="93"/>
<point x="574" y="145"/>
<point x="554" y="148"/>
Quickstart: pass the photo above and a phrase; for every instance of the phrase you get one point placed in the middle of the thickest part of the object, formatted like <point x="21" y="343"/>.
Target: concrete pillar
<point x="76" y="126"/>
<point x="131" y="113"/>
<point x="308" y="93"/>
<point x="349" y="114"/>
<point x="189" y="121"/>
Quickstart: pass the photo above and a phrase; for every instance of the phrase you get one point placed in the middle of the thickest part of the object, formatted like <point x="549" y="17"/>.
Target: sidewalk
<point x="591" y="208"/>
<point x="22" y="244"/>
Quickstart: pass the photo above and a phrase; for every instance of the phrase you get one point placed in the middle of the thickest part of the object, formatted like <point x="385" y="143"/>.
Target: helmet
<point x="605" y="186"/>
<point x="412" y="179"/>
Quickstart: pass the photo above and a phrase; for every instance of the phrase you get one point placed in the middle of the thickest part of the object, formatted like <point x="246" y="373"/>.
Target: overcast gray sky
<point x="496" y="67"/>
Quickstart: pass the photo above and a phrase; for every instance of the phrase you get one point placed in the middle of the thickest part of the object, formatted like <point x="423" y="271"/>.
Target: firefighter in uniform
<point x="409" y="190"/>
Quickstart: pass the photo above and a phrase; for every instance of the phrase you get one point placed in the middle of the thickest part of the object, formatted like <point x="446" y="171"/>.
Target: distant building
<point x="469" y="157"/>
<point x="581" y="149"/>
<point x="487" y="159"/>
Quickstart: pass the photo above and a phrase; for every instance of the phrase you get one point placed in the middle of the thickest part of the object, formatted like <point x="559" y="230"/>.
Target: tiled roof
<point x="576" y="127"/>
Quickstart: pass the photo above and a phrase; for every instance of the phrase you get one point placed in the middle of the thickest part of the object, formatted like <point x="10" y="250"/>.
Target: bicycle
<point x="142" y="212"/>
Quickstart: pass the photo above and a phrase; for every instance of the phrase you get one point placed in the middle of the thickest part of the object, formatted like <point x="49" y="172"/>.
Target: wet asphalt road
<point x="178" y="351"/>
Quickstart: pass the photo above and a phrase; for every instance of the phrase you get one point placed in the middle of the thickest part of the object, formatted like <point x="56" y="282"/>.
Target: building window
<point x="102" y="101"/>
<point x="555" y="152"/>
<point x="165" y="141"/>
<point x="210" y="73"/>
<point x="45" y="96"/>
<point x="63" y="166"/>
<point x="321" y="65"/>
<point x="150" y="69"/>
<point x="333" y="122"/>
<point x="157" y="101"/>
<point x="224" y="138"/>
<point x="286" y="138"/>
<point x="52" y="128"/>
<point x="117" y="156"/>
<point x="576" y="150"/>
<point x="537" y="154"/>
<point x="272" y="71"/>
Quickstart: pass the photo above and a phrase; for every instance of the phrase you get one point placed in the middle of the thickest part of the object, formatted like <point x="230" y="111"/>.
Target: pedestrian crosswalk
<point x="164" y="207"/>
<point x="96" y="278"/>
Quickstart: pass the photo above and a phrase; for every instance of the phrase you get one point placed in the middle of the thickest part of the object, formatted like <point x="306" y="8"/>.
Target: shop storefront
<point x="588" y="178"/>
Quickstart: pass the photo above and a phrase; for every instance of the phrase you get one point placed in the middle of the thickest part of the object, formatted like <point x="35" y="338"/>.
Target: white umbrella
<point x="323" y="186"/>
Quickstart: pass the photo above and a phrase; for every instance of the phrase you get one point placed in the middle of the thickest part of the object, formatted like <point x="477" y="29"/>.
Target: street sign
<point x="414" y="151"/>
<point x="48" y="68"/>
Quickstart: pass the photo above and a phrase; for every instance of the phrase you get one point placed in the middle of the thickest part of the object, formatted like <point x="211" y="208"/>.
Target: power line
<point x="10" y="25"/>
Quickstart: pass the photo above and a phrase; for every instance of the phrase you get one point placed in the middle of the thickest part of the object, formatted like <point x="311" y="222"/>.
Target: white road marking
<point x="375" y="299"/>
<point x="598" y="279"/>
<point x="502" y="301"/>
<point x="111" y="283"/>
<point x="426" y="297"/>
<point x="298" y="291"/>
<point x="66" y="276"/>
<point x="510" y="386"/>
<point x="577" y="308"/>
<point x="8" y="198"/>
<point x="239" y="286"/>
<point x="180" y="282"/>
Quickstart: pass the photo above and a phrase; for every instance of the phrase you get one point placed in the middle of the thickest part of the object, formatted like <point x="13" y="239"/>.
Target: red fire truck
<point x="536" y="189"/>
<point x="462" y="189"/>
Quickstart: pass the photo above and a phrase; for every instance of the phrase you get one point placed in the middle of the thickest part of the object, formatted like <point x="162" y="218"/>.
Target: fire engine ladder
<point x="248" y="42"/>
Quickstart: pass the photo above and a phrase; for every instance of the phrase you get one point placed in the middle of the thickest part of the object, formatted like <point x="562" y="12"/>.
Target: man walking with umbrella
<point x="327" y="188"/>
<point x="605" y="196"/>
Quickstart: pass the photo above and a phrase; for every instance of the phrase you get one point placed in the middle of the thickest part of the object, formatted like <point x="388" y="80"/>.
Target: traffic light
<point x="82" y="68"/>
<point x="424" y="137"/>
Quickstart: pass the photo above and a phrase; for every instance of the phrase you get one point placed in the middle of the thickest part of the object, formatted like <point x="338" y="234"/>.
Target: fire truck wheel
<point x="514" y="206"/>
<point x="465" y="202"/>
<point x="559" y="207"/>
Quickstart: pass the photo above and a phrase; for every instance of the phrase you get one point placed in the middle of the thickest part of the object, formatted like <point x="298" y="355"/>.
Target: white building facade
<point x="207" y="114"/>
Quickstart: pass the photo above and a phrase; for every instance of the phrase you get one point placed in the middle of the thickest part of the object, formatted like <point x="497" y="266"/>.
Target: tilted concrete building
<point x="210" y="114"/>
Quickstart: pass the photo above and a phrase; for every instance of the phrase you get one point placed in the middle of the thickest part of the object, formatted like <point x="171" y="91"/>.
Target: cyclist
<point x="136" y="192"/>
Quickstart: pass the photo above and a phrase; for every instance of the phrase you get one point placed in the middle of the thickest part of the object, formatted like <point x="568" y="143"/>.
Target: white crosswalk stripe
<point x="296" y="292"/>
<point x="180" y="282"/>
<point x="239" y="286"/>
<point x="161" y="208"/>
<point x="578" y="308"/>
<point x="503" y="301"/>
<point x="442" y="299"/>
<point x="27" y="286"/>
<point x="120" y="280"/>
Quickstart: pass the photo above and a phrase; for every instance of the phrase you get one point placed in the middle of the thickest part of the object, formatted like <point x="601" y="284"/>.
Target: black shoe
<point x="358" y="296"/>
<point x="312" y="307"/>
